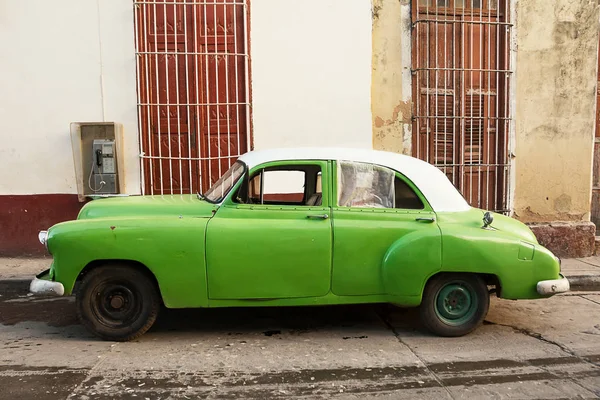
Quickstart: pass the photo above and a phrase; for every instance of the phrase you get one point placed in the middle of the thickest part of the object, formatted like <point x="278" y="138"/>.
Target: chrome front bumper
<point x="553" y="286"/>
<point x="41" y="286"/>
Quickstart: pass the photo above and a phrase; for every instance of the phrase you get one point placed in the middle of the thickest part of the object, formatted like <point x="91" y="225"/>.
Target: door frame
<point x="229" y="206"/>
<point x="374" y="283"/>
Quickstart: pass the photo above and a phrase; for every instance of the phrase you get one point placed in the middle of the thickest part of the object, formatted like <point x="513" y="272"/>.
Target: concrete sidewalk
<point x="22" y="268"/>
<point x="583" y="273"/>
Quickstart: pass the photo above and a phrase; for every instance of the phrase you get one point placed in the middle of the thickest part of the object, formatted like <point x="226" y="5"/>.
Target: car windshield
<point x="219" y="190"/>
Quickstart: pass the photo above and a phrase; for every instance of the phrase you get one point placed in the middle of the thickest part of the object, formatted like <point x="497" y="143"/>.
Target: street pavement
<point x="540" y="349"/>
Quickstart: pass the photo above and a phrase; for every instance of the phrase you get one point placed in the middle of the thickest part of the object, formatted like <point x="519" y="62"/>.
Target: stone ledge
<point x="566" y="239"/>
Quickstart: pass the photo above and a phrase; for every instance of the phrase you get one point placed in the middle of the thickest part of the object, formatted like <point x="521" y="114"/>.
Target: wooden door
<point x="460" y="117"/>
<point x="192" y="91"/>
<point x="167" y="139"/>
<point x="223" y="115"/>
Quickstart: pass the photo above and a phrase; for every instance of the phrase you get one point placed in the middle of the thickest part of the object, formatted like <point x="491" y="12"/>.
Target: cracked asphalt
<point x="548" y="349"/>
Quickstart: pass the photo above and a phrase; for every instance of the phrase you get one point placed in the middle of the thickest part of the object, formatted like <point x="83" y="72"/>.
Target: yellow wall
<point x="390" y="96"/>
<point x="556" y="64"/>
<point x="555" y="109"/>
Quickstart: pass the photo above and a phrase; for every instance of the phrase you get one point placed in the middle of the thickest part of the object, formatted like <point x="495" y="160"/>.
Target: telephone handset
<point x="104" y="157"/>
<point x="98" y="157"/>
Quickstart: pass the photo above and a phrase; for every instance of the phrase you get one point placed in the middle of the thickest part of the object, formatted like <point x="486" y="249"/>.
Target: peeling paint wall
<point x="555" y="109"/>
<point x="391" y="78"/>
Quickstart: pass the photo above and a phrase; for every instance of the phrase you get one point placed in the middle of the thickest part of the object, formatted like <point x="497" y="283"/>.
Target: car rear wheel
<point x="454" y="304"/>
<point x="117" y="303"/>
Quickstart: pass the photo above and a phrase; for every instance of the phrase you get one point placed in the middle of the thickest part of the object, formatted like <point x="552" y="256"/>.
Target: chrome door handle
<point x="319" y="216"/>
<point x="429" y="220"/>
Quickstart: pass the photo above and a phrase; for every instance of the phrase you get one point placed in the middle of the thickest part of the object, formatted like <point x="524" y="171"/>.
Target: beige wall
<point x="391" y="78"/>
<point x="555" y="109"/>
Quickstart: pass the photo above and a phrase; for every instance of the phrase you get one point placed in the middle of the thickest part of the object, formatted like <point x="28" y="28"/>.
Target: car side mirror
<point x="487" y="219"/>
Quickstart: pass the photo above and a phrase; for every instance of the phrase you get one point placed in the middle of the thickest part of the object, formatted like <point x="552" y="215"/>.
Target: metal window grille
<point x="193" y="95"/>
<point x="461" y="78"/>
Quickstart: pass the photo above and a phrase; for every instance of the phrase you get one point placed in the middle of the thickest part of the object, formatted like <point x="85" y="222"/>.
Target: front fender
<point x="408" y="264"/>
<point x="172" y="248"/>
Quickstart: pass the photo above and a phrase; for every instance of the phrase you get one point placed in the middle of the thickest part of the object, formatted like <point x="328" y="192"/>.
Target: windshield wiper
<point x="200" y="196"/>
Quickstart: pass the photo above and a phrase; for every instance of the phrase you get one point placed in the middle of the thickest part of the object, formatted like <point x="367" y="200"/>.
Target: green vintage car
<point x="297" y="227"/>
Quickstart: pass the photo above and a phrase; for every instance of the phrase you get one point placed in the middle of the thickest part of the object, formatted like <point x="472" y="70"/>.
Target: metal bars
<point x="193" y="98"/>
<point x="461" y="75"/>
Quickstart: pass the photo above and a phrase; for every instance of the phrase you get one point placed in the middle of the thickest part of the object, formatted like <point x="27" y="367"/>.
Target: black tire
<point x="454" y="304"/>
<point x="117" y="302"/>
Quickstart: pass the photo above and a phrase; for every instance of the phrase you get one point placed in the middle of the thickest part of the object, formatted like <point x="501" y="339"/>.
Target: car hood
<point x="139" y="206"/>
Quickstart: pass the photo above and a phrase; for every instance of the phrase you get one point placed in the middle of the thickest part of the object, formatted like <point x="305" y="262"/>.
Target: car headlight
<point x="43" y="238"/>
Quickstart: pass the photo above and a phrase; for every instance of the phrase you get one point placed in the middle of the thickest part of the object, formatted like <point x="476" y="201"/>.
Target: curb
<point x="584" y="283"/>
<point x="579" y="283"/>
<point x="17" y="286"/>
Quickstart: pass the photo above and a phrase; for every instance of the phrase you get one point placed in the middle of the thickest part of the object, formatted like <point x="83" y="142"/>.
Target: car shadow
<point x="275" y="320"/>
<point x="18" y="307"/>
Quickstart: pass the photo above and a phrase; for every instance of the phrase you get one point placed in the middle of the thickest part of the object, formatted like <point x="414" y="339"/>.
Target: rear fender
<point x="409" y="262"/>
<point x="518" y="265"/>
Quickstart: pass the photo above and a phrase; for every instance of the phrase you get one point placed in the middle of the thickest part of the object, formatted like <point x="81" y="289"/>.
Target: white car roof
<point x="432" y="182"/>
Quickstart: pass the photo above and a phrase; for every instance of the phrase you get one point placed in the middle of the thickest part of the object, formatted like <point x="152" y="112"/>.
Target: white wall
<point x="74" y="61"/>
<point x="311" y="73"/>
<point x="63" y="61"/>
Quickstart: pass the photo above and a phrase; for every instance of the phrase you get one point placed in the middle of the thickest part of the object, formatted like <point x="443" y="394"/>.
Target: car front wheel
<point x="117" y="303"/>
<point x="454" y="304"/>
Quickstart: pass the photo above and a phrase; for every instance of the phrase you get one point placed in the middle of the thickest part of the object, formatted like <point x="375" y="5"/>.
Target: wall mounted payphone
<point x="98" y="160"/>
<point x="103" y="170"/>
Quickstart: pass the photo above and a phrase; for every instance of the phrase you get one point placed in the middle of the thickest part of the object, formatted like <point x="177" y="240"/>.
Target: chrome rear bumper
<point x="553" y="286"/>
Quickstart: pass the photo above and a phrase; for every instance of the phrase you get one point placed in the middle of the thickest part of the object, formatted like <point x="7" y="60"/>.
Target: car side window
<point x="298" y="185"/>
<point x="405" y="197"/>
<point x="279" y="187"/>
<point x="364" y="185"/>
<point x="373" y="186"/>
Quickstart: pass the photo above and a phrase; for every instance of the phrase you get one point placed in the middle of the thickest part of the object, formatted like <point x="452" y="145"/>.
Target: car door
<point x="374" y="208"/>
<point x="272" y="238"/>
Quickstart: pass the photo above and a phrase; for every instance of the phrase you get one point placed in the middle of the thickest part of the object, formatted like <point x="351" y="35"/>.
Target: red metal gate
<point x="461" y="73"/>
<point x="193" y="97"/>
